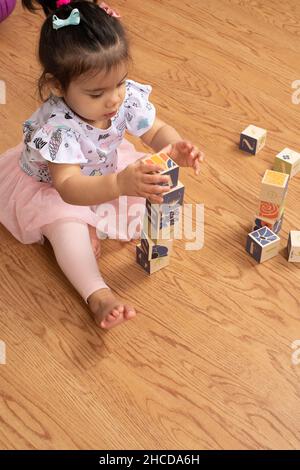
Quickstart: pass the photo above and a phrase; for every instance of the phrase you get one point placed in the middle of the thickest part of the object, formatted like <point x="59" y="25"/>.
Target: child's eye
<point x="96" y="96"/>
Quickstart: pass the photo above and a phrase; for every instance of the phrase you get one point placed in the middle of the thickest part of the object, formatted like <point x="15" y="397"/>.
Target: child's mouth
<point x="110" y="115"/>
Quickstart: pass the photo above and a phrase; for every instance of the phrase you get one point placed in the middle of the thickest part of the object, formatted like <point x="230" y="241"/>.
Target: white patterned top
<point x="55" y="133"/>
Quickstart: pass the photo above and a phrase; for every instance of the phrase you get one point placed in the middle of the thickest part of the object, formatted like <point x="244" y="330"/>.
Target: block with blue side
<point x="252" y="139"/>
<point x="158" y="249"/>
<point x="153" y="265"/>
<point x="162" y="217"/>
<point x="263" y="244"/>
<point x="171" y="168"/>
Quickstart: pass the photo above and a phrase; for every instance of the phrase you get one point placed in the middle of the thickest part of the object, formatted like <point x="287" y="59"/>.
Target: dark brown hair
<point x="99" y="42"/>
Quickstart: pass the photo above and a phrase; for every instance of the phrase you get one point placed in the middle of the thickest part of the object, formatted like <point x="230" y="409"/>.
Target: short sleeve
<point x="139" y="112"/>
<point x="57" y="145"/>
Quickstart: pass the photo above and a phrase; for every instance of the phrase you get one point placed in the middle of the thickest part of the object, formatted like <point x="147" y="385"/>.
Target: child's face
<point x="97" y="98"/>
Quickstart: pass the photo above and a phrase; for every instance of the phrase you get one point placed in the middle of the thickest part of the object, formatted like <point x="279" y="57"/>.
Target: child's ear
<point x="54" y="86"/>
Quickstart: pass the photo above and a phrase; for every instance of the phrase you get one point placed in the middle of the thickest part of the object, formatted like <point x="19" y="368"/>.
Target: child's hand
<point x="142" y="179"/>
<point x="185" y="154"/>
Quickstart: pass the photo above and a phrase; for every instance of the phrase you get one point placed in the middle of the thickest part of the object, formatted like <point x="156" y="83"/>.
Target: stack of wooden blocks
<point x="272" y="198"/>
<point x="264" y="243"/>
<point x="160" y="220"/>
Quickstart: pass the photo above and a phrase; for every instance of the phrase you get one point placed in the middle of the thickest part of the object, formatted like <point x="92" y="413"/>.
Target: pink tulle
<point x="26" y="204"/>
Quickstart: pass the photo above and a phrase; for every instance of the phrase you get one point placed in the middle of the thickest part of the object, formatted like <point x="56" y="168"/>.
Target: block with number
<point x="153" y="265"/>
<point x="155" y="249"/>
<point x="263" y="244"/>
<point x="274" y="187"/>
<point x="253" y="139"/>
<point x="287" y="161"/>
<point x="294" y="246"/>
<point x="171" y="168"/>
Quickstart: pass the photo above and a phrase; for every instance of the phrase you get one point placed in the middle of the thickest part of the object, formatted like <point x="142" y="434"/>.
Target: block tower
<point x="154" y="251"/>
<point x="263" y="243"/>
<point x="272" y="198"/>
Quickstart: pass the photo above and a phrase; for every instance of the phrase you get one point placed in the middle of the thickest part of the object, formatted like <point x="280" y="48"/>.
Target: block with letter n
<point x="253" y="139"/>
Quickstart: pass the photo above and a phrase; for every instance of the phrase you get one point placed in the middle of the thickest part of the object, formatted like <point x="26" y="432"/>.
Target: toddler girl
<point x="74" y="152"/>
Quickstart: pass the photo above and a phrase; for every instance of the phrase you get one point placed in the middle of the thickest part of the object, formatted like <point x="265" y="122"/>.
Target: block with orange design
<point x="253" y="139"/>
<point x="272" y="198"/>
<point x="275" y="226"/>
<point x="171" y="168"/>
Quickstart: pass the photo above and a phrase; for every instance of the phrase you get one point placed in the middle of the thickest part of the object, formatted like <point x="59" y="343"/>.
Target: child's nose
<point x="113" y="99"/>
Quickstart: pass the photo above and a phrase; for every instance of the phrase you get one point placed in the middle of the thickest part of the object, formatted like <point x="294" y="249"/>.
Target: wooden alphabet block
<point x="170" y="167"/>
<point x="287" y="161"/>
<point x="263" y="244"/>
<point x="294" y="246"/>
<point x="153" y="265"/>
<point x="274" y="225"/>
<point x="165" y="233"/>
<point x="155" y="249"/>
<point x="162" y="216"/>
<point x="253" y="139"/>
<point x="274" y="187"/>
<point x="269" y="211"/>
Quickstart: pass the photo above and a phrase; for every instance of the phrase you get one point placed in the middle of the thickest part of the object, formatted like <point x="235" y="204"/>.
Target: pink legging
<point x="70" y="240"/>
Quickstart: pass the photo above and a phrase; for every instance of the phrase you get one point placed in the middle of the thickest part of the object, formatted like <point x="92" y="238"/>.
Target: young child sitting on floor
<point x="69" y="163"/>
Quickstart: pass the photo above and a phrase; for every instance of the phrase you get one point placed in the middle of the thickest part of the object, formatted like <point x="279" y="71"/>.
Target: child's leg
<point x="94" y="241"/>
<point x="73" y="250"/>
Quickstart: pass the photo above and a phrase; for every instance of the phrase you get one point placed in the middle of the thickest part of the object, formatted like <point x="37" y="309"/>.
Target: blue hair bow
<point x="73" y="20"/>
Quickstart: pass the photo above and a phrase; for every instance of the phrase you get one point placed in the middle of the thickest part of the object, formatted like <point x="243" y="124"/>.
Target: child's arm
<point x="161" y="136"/>
<point x="134" y="180"/>
<point x="80" y="190"/>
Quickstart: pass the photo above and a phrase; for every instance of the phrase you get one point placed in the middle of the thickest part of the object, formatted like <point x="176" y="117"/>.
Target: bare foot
<point x="108" y="310"/>
<point x="95" y="241"/>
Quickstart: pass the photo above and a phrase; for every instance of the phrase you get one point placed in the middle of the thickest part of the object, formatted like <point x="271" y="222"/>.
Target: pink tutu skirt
<point x="26" y="205"/>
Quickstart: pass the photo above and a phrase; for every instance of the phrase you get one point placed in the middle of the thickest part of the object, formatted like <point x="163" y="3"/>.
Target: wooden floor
<point x="207" y="364"/>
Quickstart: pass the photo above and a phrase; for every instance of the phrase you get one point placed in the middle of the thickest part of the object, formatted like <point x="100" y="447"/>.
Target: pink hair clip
<point x="60" y="3"/>
<point x="108" y="10"/>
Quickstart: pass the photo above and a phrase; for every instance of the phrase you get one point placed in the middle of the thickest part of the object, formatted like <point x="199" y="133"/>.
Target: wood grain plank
<point x="207" y="362"/>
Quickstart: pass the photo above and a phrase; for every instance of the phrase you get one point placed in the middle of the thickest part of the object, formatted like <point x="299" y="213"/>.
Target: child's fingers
<point x="154" y="179"/>
<point x="154" y="189"/>
<point x="201" y="156"/>
<point x="151" y="168"/>
<point x="154" y="199"/>
<point x="196" y="167"/>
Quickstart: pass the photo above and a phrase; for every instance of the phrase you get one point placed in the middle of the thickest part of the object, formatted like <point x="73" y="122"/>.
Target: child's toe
<point x="129" y="312"/>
